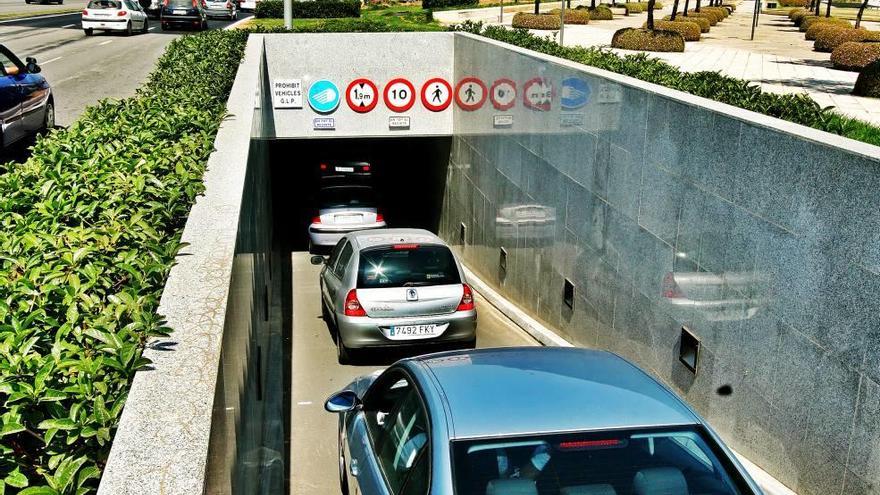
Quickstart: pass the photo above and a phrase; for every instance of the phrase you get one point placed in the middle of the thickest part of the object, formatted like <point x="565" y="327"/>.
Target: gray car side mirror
<point x="341" y="402"/>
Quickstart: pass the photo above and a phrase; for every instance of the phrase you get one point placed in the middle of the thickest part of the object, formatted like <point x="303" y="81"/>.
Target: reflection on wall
<point x="666" y="214"/>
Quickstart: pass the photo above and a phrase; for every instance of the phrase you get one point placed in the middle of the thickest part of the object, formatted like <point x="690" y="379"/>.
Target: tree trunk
<point x="651" y="14"/>
<point x="861" y="11"/>
<point x="568" y="4"/>
<point x="697" y="8"/>
<point x="828" y="10"/>
<point x="818" y="6"/>
<point x="537" y="7"/>
<point x="593" y="5"/>
<point x="674" y="10"/>
<point x="684" y="12"/>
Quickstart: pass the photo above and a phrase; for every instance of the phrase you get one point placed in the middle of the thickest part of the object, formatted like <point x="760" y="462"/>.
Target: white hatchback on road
<point x="114" y="15"/>
<point x="343" y="209"/>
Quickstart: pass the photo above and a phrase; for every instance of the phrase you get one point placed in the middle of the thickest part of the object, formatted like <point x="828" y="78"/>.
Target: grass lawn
<point x="396" y="18"/>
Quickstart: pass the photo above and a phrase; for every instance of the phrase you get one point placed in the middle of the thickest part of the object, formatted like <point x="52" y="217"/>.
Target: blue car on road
<point x="26" y="102"/>
<point x="526" y="421"/>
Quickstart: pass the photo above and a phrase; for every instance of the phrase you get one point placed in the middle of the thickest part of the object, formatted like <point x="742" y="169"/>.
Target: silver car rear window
<point x="347" y="197"/>
<point x="104" y="4"/>
<point x="406" y="265"/>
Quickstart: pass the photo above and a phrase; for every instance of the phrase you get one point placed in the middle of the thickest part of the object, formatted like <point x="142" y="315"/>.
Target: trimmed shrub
<point x="438" y="4"/>
<point x="91" y="226"/>
<point x="323" y="9"/>
<point x="644" y="5"/>
<point x="829" y="39"/>
<point x="700" y="21"/>
<point x="798" y="17"/>
<point x="531" y="21"/>
<point x="601" y="13"/>
<point x="633" y="8"/>
<point x="810" y="20"/>
<point x="690" y="31"/>
<point x="652" y="41"/>
<point x="817" y="27"/>
<point x="721" y="11"/>
<point x="713" y="14"/>
<point x="712" y="18"/>
<point x="573" y="16"/>
<point x="798" y="108"/>
<point x="730" y="6"/>
<point x="794" y="3"/>
<point x="855" y="56"/>
<point x="868" y="82"/>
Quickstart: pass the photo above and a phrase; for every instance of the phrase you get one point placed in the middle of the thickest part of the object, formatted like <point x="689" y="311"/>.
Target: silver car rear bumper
<point x="363" y="331"/>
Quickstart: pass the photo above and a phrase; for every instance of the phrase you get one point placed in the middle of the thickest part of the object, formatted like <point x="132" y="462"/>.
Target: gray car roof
<point x="526" y="390"/>
<point x="380" y="237"/>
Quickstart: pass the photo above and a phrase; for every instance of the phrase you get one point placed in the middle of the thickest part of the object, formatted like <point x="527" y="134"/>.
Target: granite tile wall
<point x="761" y="237"/>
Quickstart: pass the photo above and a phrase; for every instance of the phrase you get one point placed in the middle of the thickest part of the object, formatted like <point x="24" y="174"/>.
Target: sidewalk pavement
<point x="779" y="60"/>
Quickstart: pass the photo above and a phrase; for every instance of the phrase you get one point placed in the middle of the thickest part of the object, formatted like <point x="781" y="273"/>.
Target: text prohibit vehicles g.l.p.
<point x="526" y="421"/>
<point x="27" y="105"/>
<point x="127" y="16"/>
<point x="395" y="287"/>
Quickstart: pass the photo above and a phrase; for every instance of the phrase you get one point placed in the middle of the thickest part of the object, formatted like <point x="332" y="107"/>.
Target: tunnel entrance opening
<point x="407" y="174"/>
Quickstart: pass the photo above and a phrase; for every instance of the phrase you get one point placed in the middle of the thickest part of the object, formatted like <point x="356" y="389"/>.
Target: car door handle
<point x="353" y="467"/>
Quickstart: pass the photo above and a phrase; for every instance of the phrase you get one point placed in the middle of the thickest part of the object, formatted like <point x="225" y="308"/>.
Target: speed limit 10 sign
<point x="400" y="95"/>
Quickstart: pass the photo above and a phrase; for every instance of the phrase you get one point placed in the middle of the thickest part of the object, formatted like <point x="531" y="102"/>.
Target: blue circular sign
<point x="575" y="93"/>
<point x="323" y="96"/>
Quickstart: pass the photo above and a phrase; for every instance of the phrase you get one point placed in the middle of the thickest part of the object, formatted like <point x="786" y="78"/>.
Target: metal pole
<point x="501" y="13"/>
<point x="561" y="22"/>
<point x="288" y="14"/>
<point x="755" y="17"/>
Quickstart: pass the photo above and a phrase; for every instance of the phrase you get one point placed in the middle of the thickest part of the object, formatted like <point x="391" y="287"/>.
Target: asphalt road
<point x="316" y="375"/>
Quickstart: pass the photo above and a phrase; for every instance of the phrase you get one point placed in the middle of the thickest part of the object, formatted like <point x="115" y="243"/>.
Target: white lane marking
<point x="50" y="60"/>
<point x="304" y="403"/>
<point x="105" y="42"/>
<point x="67" y="26"/>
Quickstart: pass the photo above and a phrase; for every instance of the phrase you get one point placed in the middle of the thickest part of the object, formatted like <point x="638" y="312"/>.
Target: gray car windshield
<point x="406" y="265"/>
<point x="677" y="461"/>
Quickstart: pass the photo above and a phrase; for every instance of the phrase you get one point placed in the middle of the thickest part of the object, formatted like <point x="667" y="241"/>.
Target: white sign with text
<point x="287" y="93"/>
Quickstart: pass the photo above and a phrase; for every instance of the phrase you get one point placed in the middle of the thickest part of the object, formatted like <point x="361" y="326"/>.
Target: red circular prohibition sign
<point x="497" y="104"/>
<point x="442" y="106"/>
<point x="470" y="107"/>
<point x="362" y="82"/>
<point x="412" y="95"/>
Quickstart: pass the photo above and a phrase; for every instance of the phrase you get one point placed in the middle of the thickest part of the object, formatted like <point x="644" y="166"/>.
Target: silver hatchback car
<point x="395" y="287"/>
<point x="526" y="421"/>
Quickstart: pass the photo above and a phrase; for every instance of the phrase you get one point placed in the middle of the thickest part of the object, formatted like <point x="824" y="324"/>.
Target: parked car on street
<point x="395" y="287"/>
<point x="27" y="105"/>
<point x="225" y="9"/>
<point x="114" y="15"/>
<point x="184" y="13"/>
<point x="342" y="208"/>
<point x="526" y="421"/>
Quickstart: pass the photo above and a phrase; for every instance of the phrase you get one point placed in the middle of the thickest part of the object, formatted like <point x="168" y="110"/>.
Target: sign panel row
<point x="471" y="93"/>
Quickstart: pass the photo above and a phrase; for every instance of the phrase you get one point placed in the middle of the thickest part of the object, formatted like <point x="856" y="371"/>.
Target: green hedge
<point x="315" y="9"/>
<point x="652" y="41"/>
<point x="89" y="229"/>
<point x="439" y="4"/>
<point x="798" y="108"/>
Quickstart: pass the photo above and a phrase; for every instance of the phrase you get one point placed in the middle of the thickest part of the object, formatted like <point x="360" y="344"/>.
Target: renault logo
<point x="412" y="295"/>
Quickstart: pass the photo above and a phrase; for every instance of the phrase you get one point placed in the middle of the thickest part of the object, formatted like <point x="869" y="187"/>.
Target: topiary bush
<point x="601" y="13"/>
<point x="810" y="20"/>
<point x="573" y="16"/>
<point x="712" y="18"/>
<point x="633" y="8"/>
<point x="855" y="56"/>
<point x="818" y="27"/>
<point x="700" y="21"/>
<point x="829" y="39"/>
<point x="643" y="39"/>
<point x="438" y="4"/>
<point x="323" y="9"/>
<point x="794" y="3"/>
<point x="868" y="82"/>
<point x="90" y="226"/>
<point x="798" y="17"/>
<point x="721" y="11"/>
<point x="690" y="31"/>
<point x="531" y="21"/>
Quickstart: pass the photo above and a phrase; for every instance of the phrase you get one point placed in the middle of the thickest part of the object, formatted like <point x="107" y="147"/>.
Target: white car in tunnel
<point x="343" y="209"/>
<point x="395" y="287"/>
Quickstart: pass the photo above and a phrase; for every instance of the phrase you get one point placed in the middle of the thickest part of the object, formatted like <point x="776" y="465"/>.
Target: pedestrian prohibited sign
<point x="470" y="94"/>
<point x="399" y="94"/>
<point x="436" y="94"/>
<point x="362" y="95"/>
<point x="323" y="96"/>
<point x="503" y="94"/>
<point x="538" y="94"/>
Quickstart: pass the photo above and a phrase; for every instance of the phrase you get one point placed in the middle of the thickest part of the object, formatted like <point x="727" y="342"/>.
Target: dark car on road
<point x="26" y="102"/>
<point x="184" y="13"/>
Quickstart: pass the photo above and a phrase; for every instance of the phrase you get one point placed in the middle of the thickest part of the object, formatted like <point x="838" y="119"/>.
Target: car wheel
<point x="128" y="29"/>
<point x="204" y="24"/>
<point x="89" y="32"/>
<point x="343" y="480"/>
<point x="146" y="27"/>
<point x="49" y="118"/>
